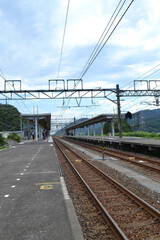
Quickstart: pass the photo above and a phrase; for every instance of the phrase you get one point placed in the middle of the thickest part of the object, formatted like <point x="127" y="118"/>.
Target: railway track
<point x="128" y="216"/>
<point x="143" y="162"/>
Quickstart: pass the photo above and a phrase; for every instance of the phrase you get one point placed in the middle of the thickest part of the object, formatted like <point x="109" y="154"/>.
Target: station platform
<point x="34" y="203"/>
<point x="135" y="144"/>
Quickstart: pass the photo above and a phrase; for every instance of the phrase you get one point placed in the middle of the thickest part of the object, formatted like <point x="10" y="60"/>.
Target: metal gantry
<point x="57" y="89"/>
<point x="149" y="89"/>
<point x="58" y="122"/>
<point x="74" y="89"/>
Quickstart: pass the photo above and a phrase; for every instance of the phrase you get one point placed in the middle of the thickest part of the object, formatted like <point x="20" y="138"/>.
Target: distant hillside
<point x="148" y="120"/>
<point x="62" y="131"/>
<point x="76" y="122"/>
<point x="9" y="118"/>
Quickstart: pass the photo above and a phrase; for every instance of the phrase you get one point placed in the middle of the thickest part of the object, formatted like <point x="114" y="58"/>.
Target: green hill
<point x="9" y="118"/>
<point x="148" y="120"/>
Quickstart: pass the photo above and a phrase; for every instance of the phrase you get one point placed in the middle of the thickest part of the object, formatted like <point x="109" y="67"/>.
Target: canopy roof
<point x="44" y="119"/>
<point x="97" y="119"/>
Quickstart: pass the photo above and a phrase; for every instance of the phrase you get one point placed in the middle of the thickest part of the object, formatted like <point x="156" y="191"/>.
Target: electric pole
<point x="119" y="111"/>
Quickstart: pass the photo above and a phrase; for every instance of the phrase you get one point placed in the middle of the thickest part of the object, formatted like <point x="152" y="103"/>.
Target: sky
<point x="31" y="43"/>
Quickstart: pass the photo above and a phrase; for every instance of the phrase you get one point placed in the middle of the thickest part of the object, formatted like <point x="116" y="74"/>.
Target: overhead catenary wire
<point x="142" y="74"/>
<point x="100" y="41"/>
<point x="144" y="77"/>
<point x="103" y="35"/>
<point x="62" y="45"/>
<point x="140" y="78"/>
<point x="63" y="38"/>
<point x="90" y="62"/>
<point x="21" y="101"/>
<point x="3" y="76"/>
<point x="136" y="99"/>
<point x="148" y="72"/>
<point x="99" y="46"/>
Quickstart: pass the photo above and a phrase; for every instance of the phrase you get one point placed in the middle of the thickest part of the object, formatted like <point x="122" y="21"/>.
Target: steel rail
<point x="139" y="157"/>
<point x="124" y="153"/>
<point x="123" y="158"/>
<point x="114" y="226"/>
<point x="154" y="212"/>
<point x="132" y="161"/>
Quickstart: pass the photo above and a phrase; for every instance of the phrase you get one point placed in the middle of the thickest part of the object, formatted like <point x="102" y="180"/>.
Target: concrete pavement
<point x="32" y="203"/>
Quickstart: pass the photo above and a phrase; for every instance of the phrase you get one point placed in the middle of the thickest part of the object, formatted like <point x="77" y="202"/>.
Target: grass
<point x="1" y="148"/>
<point x="141" y="134"/>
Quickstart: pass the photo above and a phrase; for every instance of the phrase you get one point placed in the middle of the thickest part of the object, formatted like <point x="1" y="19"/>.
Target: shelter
<point x="76" y="128"/>
<point x="37" y="123"/>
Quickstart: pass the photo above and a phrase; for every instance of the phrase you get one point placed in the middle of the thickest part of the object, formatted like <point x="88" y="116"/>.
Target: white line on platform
<point x="36" y="153"/>
<point x="18" y="179"/>
<point x="22" y="174"/>
<point x="51" y="145"/>
<point x="6" y="195"/>
<point x="13" y="186"/>
<point x="64" y="189"/>
<point x="50" y="139"/>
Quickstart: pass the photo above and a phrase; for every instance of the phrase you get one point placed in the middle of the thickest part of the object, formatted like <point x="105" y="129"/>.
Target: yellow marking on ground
<point x="48" y="183"/>
<point x="78" y="160"/>
<point x="46" y="187"/>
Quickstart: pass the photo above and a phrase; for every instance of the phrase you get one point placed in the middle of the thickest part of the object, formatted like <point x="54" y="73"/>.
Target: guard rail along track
<point x="144" y="162"/>
<point x="129" y="216"/>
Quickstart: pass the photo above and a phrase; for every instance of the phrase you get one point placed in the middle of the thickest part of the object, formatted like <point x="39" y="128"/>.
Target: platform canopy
<point x="43" y="119"/>
<point x="98" y="119"/>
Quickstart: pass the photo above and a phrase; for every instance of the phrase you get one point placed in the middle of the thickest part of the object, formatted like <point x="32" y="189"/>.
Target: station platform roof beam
<point x="98" y="119"/>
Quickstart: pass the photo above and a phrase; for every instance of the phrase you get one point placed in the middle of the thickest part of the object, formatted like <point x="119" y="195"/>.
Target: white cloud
<point x="32" y="37"/>
<point x="139" y="30"/>
<point x="98" y="84"/>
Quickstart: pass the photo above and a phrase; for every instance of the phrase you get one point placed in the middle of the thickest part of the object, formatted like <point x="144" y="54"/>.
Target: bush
<point x="14" y="136"/>
<point x="2" y="142"/>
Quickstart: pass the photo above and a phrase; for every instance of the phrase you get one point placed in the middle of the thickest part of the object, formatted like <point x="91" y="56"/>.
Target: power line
<point x="143" y="79"/>
<point x="136" y="99"/>
<point x="3" y="76"/>
<point x="65" y="25"/>
<point x="99" y="48"/>
<point x="103" y="35"/>
<point x="64" y="32"/>
<point x="21" y="100"/>
<point x="148" y="72"/>
<point x="140" y="77"/>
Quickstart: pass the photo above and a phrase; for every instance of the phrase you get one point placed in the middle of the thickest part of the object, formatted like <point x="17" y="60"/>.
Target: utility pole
<point x="119" y="111"/>
<point x="21" y="127"/>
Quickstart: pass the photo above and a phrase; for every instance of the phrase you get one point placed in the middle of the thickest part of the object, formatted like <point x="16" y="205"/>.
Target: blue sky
<point x="31" y="38"/>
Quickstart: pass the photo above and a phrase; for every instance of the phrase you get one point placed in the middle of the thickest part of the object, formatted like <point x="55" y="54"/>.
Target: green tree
<point x="126" y="127"/>
<point x="2" y="142"/>
<point x="14" y="136"/>
<point x="9" y="118"/>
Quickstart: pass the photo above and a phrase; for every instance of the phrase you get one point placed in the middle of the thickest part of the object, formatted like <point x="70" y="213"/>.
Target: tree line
<point x="9" y="118"/>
